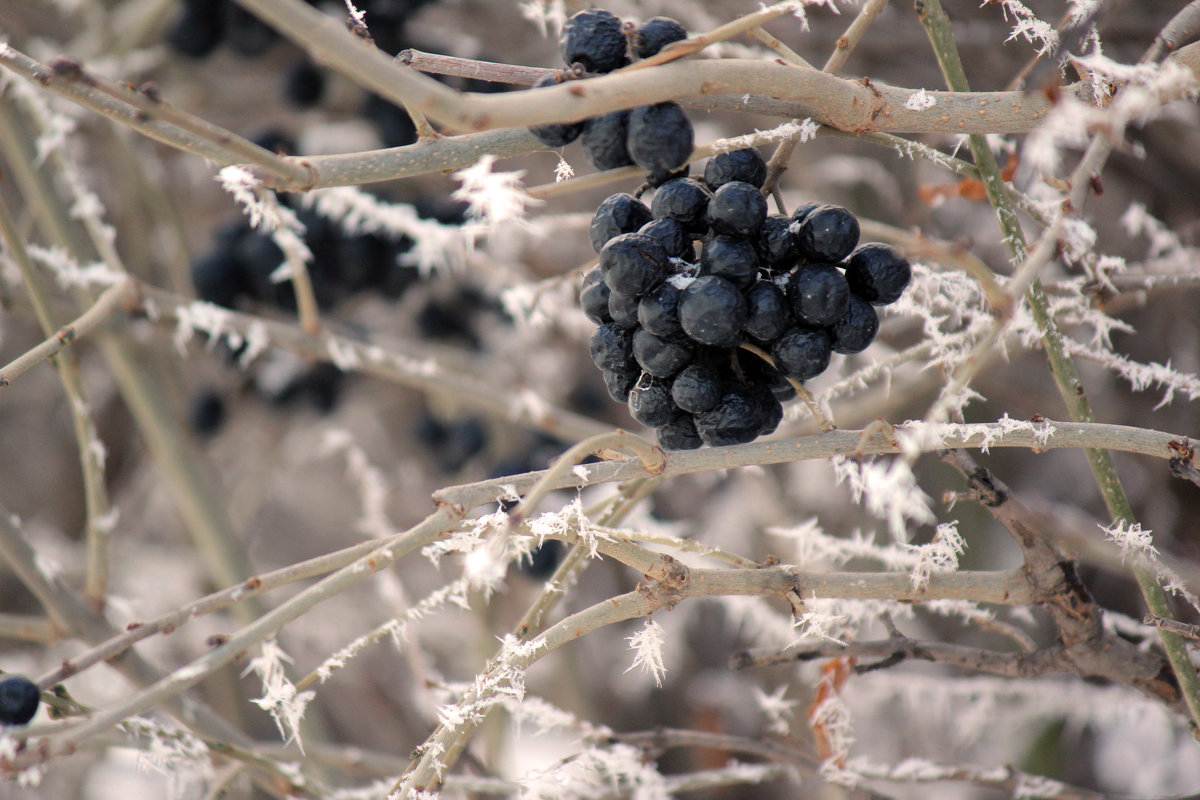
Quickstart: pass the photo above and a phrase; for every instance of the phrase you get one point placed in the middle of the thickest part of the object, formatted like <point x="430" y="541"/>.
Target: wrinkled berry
<point x="593" y="297"/>
<point x="855" y="331"/>
<point x="777" y="244"/>
<point x="605" y="139"/>
<point x="684" y="200"/>
<point x="802" y="353"/>
<point x="612" y="348"/>
<point x="878" y="274"/>
<point x="658" y="310"/>
<point x="660" y="137"/>
<point x="656" y="33"/>
<point x="623" y="309"/>
<point x="555" y="134"/>
<point x="828" y="233"/>
<point x="737" y="165"/>
<point x="737" y="209"/>
<point x="662" y="357"/>
<point x="767" y="314"/>
<point x="697" y="387"/>
<point x="730" y="258"/>
<point x="617" y="214"/>
<point x="633" y="264"/>
<point x="679" y="434"/>
<point x="712" y="311"/>
<point x="735" y="419"/>
<point x="650" y="402"/>
<point x="673" y="235"/>
<point x="594" y="39"/>
<point x="818" y="293"/>
<point x="619" y="382"/>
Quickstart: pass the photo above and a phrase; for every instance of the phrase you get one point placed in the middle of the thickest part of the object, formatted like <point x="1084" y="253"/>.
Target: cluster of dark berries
<point x="205" y="25"/>
<point x="19" y="700"/>
<point x="235" y="272"/>
<point x="657" y="138"/>
<point x="672" y="325"/>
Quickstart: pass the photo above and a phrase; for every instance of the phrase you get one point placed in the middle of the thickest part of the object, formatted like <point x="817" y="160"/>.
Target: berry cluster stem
<point x="1062" y="367"/>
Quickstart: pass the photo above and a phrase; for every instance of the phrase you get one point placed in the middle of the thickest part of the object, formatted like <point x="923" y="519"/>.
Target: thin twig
<point x="410" y="364"/>
<point x="105" y="304"/>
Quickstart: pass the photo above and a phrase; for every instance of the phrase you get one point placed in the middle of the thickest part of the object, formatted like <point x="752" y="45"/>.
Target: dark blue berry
<point x="712" y="311"/>
<point x="633" y="263"/>
<point x="770" y="409"/>
<point x="619" y="382"/>
<point x="777" y="244"/>
<point x="196" y="34"/>
<point x="759" y="372"/>
<point x="818" y="293"/>
<point x="679" y="434"/>
<point x="303" y="84"/>
<point x="660" y="137"/>
<point x="206" y="412"/>
<point x="392" y="123"/>
<point x="697" y="387"/>
<point x="878" y="274"/>
<point x="19" y="700"/>
<point x="605" y="139"/>
<point x="543" y="560"/>
<point x="735" y="419"/>
<point x="737" y="208"/>
<point x="594" y="39"/>
<point x="248" y="36"/>
<point x="767" y="314"/>
<point x="555" y="134"/>
<point x="658" y="310"/>
<point x="650" y="402"/>
<point x="617" y="214"/>
<point x="828" y="233"/>
<point x="612" y="348"/>
<point x="623" y="309"/>
<point x="657" y="179"/>
<point x="217" y="277"/>
<point x="801" y="212"/>
<point x="656" y="33"/>
<point x="857" y="327"/>
<point x="662" y="357"/>
<point x="737" y="165"/>
<point x="802" y="353"/>
<point x="684" y="200"/>
<point x="673" y="235"/>
<point x="730" y="258"/>
<point x="593" y="297"/>
<point x="462" y="441"/>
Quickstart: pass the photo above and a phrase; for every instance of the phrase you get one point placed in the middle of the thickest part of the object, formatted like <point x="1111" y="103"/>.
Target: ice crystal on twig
<point x="919" y="101"/>
<point x="493" y="198"/>
<point x="648" y="644"/>
<point x="280" y="698"/>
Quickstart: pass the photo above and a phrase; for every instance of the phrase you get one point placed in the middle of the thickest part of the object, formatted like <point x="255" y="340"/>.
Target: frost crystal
<point x="805" y="131"/>
<point x="563" y="170"/>
<point x="919" y="101"/>
<point x="1131" y="539"/>
<point x="889" y="491"/>
<point x="940" y="555"/>
<point x="280" y="698"/>
<point x="648" y="643"/>
<point x="776" y="707"/>
<point x="493" y="198"/>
